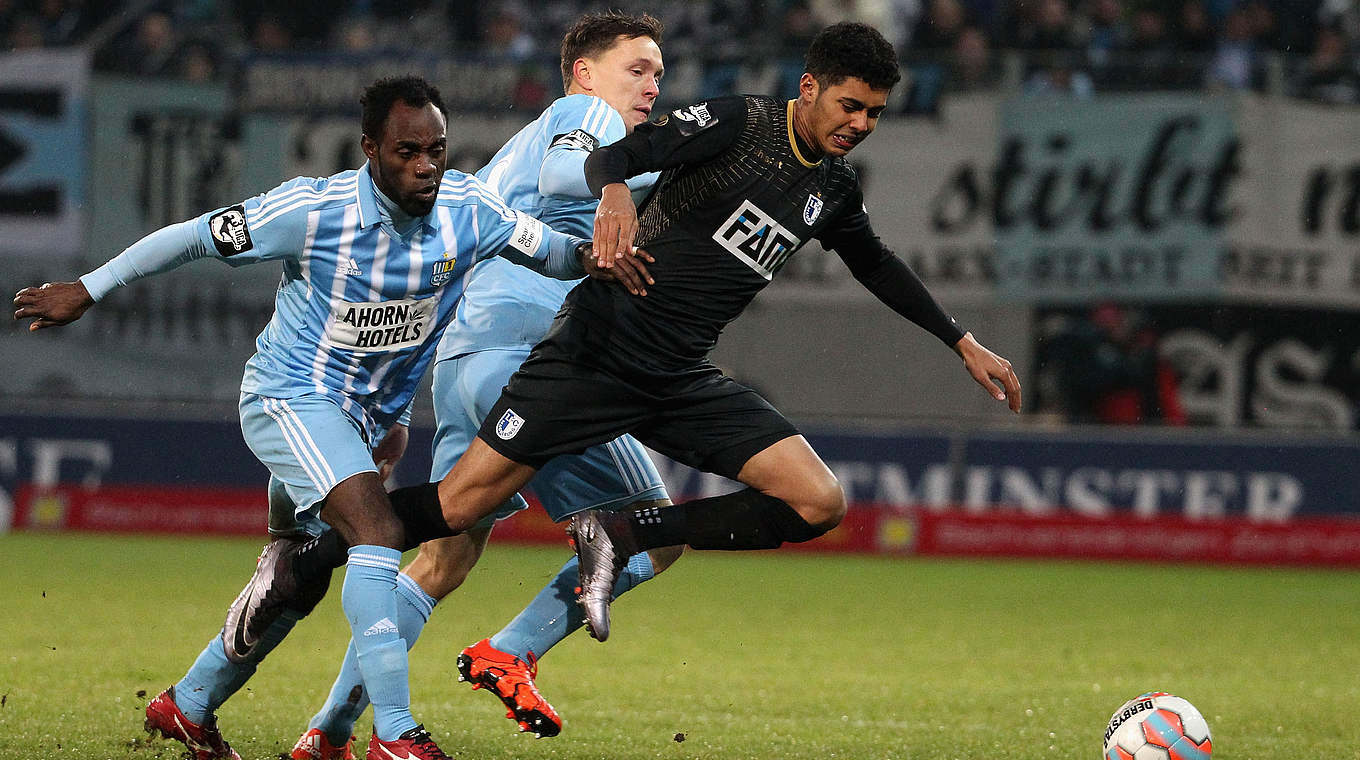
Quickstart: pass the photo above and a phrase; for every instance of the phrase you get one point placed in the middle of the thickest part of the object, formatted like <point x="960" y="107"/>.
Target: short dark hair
<point x="849" y="49"/>
<point x="594" y="33"/>
<point x="378" y="98"/>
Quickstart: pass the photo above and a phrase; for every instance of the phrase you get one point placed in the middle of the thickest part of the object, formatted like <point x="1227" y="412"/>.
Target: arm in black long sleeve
<point x="885" y="275"/>
<point x="684" y="136"/>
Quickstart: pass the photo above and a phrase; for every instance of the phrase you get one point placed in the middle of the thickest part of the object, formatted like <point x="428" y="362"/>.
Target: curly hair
<point x="849" y="49"/>
<point x="378" y="98"/>
<point x="594" y="33"/>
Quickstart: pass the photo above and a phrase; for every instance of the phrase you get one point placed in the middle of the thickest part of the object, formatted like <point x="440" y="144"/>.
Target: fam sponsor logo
<point x="757" y="239"/>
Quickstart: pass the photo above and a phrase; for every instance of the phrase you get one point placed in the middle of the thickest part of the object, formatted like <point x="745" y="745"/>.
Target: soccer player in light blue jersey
<point x="611" y="67"/>
<point x="374" y="261"/>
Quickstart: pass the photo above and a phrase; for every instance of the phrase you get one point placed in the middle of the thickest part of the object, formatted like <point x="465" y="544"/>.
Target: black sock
<point x="746" y="519"/>
<point x="418" y="509"/>
<point x="320" y="555"/>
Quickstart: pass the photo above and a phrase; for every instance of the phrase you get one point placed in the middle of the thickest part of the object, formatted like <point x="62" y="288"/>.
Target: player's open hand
<point x="52" y="304"/>
<point x="616" y="224"/>
<point x="990" y="371"/>
<point x="629" y="271"/>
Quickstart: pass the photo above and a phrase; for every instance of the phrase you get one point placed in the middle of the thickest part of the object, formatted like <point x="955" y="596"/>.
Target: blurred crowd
<point x="1071" y="46"/>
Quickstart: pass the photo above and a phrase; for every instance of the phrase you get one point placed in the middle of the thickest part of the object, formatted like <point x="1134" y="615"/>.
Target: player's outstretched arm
<point x="60" y="303"/>
<point x="990" y="371"/>
<point x="52" y="304"/>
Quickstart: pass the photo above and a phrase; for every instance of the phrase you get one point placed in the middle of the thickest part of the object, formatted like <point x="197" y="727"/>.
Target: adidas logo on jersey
<point x="348" y="267"/>
<point x="382" y="626"/>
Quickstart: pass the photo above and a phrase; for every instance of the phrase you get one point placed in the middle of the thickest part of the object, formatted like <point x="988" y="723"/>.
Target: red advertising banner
<point x="215" y="510"/>
<point x="1309" y="541"/>
<point x="866" y="529"/>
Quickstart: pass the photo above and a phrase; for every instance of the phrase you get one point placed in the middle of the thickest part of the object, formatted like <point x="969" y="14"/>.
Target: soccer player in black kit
<point x="746" y="181"/>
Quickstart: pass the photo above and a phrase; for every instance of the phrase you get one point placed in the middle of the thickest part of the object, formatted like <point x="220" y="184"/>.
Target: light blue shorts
<point x="609" y="476"/>
<point x="309" y="445"/>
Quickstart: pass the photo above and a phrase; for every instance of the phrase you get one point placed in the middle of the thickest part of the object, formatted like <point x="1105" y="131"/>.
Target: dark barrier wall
<point x="1146" y="495"/>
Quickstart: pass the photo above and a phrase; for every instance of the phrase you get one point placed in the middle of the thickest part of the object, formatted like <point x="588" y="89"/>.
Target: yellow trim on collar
<point x="793" y="142"/>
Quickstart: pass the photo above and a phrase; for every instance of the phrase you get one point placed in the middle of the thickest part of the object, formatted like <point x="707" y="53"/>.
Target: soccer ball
<point x="1157" y="726"/>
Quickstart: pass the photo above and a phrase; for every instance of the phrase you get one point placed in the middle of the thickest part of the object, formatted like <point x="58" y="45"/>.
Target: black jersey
<point x="736" y="198"/>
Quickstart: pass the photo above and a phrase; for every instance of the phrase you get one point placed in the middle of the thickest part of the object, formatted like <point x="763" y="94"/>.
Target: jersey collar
<point x="793" y="139"/>
<point x="370" y="214"/>
<point x="364" y="193"/>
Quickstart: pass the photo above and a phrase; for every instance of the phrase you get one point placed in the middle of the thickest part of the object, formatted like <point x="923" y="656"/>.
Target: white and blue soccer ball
<point x="1157" y="726"/>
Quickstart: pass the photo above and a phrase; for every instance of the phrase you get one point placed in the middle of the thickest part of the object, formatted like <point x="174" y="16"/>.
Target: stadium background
<point x="1151" y="208"/>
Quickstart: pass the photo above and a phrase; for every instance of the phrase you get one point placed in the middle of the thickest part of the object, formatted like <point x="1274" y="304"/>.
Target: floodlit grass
<point x="747" y="656"/>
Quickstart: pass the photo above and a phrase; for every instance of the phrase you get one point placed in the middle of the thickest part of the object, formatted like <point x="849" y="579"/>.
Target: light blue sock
<point x="554" y="613"/>
<point x="212" y="679"/>
<point x="369" y="597"/>
<point x="348" y="699"/>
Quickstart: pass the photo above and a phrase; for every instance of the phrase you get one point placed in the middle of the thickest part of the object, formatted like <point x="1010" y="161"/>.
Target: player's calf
<point x="273" y="588"/>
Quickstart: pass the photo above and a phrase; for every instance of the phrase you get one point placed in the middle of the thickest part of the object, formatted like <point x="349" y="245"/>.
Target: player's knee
<point x="370" y="527"/>
<point x="823" y="504"/>
<point x="384" y="530"/>
<point x="460" y="521"/>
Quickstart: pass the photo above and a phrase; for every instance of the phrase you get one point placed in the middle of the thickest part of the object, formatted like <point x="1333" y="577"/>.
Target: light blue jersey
<point x="360" y="307"/>
<point x="505" y="310"/>
<point x="539" y="172"/>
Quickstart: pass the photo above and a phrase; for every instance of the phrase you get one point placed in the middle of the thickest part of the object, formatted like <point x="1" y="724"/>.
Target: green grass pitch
<point x="770" y="655"/>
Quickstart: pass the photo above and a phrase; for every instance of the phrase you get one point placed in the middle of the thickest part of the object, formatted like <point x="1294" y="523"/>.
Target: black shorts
<point x="574" y="392"/>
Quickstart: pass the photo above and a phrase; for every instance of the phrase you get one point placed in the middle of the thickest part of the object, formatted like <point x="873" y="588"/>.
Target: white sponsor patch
<point x="529" y="233"/>
<point x="367" y="328"/>
<point x="757" y="239"/>
<point x="508" y="425"/>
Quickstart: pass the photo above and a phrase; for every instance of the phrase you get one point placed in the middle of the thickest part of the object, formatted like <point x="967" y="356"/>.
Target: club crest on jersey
<point x="508" y="425"/>
<point x="229" y="232"/>
<point x="757" y="239"/>
<point x="811" y="210"/>
<point x="442" y="270"/>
